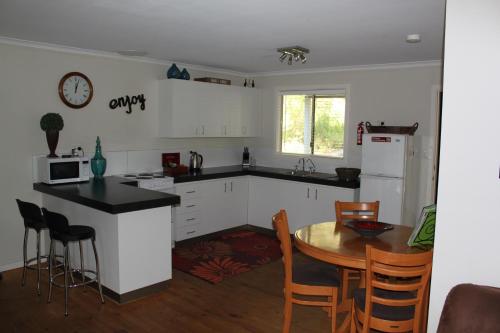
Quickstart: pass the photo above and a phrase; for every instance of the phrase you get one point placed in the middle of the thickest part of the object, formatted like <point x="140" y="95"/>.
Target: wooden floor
<point x="250" y="302"/>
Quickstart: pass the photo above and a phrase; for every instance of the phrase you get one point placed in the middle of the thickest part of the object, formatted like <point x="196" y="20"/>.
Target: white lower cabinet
<point x="225" y="203"/>
<point x="187" y="216"/>
<point x="305" y="203"/>
<point x="213" y="205"/>
<point x="209" y="206"/>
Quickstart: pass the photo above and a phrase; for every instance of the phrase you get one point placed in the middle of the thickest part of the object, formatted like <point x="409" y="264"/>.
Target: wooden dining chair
<point x="366" y="211"/>
<point x="395" y="304"/>
<point x="347" y="211"/>
<point x="306" y="278"/>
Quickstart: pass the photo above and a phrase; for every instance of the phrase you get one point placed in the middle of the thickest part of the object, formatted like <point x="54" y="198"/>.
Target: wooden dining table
<point x="337" y="244"/>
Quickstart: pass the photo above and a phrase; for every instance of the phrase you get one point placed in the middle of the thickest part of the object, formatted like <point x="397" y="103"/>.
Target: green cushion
<point x="424" y="231"/>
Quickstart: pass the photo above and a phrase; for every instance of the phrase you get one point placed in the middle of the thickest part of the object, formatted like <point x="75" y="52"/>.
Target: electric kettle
<point x="195" y="161"/>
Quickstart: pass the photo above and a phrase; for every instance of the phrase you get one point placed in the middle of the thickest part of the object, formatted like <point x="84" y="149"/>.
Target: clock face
<point x="75" y="90"/>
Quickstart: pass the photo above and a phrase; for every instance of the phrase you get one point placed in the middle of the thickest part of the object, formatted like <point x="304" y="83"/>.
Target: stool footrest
<point x="33" y="267"/>
<point x="76" y="284"/>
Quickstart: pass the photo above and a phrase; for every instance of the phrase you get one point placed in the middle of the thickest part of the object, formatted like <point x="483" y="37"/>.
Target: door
<point x="383" y="154"/>
<point x="251" y="112"/>
<point x="209" y="110"/>
<point x="267" y="196"/>
<point x="323" y="201"/>
<point x="224" y="203"/>
<point x="390" y="193"/>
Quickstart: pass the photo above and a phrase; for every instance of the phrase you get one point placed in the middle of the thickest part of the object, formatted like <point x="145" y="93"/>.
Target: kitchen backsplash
<point x="119" y="162"/>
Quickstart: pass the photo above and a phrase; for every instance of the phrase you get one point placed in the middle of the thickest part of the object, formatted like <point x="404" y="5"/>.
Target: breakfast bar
<point x="133" y="232"/>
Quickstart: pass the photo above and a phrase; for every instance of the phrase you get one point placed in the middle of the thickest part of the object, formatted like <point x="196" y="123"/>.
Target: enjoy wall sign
<point x="127" y="101"/>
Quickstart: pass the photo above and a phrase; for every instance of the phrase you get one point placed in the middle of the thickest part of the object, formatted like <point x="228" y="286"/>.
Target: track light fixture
<point x="293" y="53"/>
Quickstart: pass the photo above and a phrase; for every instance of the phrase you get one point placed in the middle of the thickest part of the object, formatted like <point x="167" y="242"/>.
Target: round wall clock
<point x="75" y="90"/>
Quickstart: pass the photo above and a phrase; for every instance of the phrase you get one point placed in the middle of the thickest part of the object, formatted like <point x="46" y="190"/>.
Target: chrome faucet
<point x="303" y="160"/>
<point x="312" y="168"/>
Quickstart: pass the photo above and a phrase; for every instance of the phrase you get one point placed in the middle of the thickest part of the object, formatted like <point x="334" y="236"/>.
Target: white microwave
<point x="59" y="170"/>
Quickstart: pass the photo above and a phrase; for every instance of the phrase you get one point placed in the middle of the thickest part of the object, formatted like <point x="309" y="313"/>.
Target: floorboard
<point x="249" y="302"/>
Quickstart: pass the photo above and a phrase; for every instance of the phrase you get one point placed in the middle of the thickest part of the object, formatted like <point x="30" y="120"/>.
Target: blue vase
<point x="98" y="162"/>
<point x="185" y="75"/>
<point x="173" y="72"/>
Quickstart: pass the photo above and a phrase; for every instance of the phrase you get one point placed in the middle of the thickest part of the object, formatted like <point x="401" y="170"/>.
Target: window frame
<point x="331" y="90"/>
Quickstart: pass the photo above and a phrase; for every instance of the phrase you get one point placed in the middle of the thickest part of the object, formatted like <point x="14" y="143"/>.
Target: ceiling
<point x="236" y="35"/>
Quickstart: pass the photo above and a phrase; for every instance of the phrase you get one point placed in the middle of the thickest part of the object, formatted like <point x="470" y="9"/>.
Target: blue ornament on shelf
<point x="185" y="75"/>
<point x="173" y="72"/>
<point x="98" y="162"/>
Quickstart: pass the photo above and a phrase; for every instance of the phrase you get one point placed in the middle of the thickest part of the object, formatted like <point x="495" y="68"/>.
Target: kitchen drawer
<point x="188" y="218"/>
<point x="187" y="206"/>
<point x="188" y="191"/>
<point x="187" y="231"/>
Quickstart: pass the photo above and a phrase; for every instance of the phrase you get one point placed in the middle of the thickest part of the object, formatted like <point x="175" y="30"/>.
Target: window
<point x="313" y="124"/>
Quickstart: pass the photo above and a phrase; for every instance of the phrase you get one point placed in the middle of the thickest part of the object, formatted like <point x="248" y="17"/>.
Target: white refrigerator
<point x="387" y="175"/>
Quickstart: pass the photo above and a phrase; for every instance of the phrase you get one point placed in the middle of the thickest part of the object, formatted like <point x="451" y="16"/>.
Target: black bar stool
<point x="61" y="231"/>
<point x="33" y="219"/>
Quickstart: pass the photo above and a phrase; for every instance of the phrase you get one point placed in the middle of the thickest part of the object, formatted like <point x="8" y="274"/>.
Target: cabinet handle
<point x="308" y="193"/>
<point x="225" y="187"/>
<point x="191" y="232"/>
<point x="225" y="130"/>
<point x="189" y="206"/>
<point x="231" y="186"/>
<point x="191" y="192"/>
<point x="203" y="130"/>
<point x="316" y="195"/>
<point x="191" y="219"/>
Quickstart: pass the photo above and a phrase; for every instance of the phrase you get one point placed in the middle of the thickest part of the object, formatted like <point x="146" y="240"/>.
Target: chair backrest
<point x="406" y="272"/>
<point x="55" y="222"/>
<point x="30" y="212"/>
<point x="367" y="211"/>
<point x="280" y="224"/>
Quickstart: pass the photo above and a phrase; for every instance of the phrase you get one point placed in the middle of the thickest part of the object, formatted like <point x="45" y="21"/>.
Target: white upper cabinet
<point x="200" y="109"/>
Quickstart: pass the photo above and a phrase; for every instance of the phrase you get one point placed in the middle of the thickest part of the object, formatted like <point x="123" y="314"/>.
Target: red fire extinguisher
<point x="360" y="132"/>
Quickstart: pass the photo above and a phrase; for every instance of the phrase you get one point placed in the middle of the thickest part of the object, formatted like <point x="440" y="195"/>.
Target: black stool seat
<point x="33" y="224"/>
<point x="315" y="273"/>
<point x="386" y="312"/>
<point x="74" y="233"/>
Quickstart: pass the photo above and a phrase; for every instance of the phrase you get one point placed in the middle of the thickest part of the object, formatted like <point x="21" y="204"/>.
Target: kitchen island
<point x="133" y="232"/>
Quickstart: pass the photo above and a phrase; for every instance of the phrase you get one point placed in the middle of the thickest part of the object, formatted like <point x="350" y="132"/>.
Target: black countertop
<point x="277" y="173"/>
<point x="113" y="195"/>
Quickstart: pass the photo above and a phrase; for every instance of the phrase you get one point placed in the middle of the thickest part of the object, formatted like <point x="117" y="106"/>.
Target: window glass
<point x="313" y="124"/>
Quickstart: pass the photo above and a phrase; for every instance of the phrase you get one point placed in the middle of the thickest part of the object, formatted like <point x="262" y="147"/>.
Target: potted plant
<point x="52" y="123"/>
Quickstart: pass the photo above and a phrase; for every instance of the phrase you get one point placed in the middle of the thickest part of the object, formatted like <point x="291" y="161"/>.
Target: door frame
<point x="435" y="130"/>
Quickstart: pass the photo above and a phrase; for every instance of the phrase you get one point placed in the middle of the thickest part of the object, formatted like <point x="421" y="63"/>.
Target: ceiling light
<point x="293" y="53"/>
<point x="413" y="38"/>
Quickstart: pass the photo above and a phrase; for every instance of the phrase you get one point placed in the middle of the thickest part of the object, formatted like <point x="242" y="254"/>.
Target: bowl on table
<point x="368" y="229"/>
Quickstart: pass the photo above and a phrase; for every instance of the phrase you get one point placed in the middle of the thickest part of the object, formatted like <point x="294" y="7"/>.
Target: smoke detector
<point x="413" y="38"/>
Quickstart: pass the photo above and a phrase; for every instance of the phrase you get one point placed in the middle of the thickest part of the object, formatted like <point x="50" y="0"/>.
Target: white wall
<point x="28" y="89"/>
<point x="467" y="242"/>
<point x="397" y="96"/>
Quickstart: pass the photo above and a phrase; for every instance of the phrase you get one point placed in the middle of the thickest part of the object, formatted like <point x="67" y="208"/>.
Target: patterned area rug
<point x="224" y="255"/>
